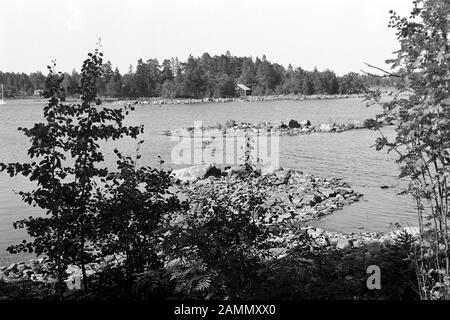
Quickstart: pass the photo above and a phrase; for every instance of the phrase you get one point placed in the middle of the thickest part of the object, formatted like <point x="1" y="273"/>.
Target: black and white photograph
<point x="223" y="150"/>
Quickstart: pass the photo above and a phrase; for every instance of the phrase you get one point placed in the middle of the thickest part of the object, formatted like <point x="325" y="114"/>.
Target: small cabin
<point x="38" y="93"/>
<point x="243" y="90"/>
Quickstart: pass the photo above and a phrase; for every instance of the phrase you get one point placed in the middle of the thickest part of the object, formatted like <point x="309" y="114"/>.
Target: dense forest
<point x="205" y="76"/>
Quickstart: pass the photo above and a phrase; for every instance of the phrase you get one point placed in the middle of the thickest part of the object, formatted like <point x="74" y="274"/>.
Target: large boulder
<point x="370" y="123"/>
<point x="238" y="172"/>
<point x="294" y="124"/>
<point x="230" y="124"/>
<point x="283" y="175"/>
<point x="270" y="170"/>
<point x="213" y="171"/>
<point x="311" y="200"/>
<point x="343" y="244"/>
<point x="326" y="127"/>
<point x="191" y="173"/>
<point x="328" y="193"/>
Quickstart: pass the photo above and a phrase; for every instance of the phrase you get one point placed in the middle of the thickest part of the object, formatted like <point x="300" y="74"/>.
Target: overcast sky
<point x="337" y="34"/>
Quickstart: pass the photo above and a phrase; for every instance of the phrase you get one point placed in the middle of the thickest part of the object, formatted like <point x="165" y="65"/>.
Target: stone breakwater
<point x="167" y="101"/>
<point x="288" y="128"/>
<point x="293" y="199"/>
<point x="291" y="195"/>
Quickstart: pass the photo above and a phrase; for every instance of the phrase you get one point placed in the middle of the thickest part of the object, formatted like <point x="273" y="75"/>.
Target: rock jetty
<point x="168" y="101"/>
<point x="289" y="128"/>
<point x="291" y="195"/>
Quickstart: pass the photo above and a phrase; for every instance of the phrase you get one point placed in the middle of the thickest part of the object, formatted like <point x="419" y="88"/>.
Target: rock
<point x="190" y="173"/>
<point x="293" y="124"/>
<point x="238" y="172"/>
<point x="283" y="175"/>
<point x="315" y="233"/>
<point x="35" y="265"/>
<point x="269" y="170"/>
<point x="278" y="251"/>
<point x="285" y="216"/>
<point x="11" y="269"/>
<point x="357" y="243"/>
<point x="73" y="269"/>
<point x="344" y="191"/>
<point x="22" y="267"/>
<point x="3" y="276"/>
<point x="328" y="193"/>
<point x="311" y="200"/>
<point x="326" y="127"/>
<point x="343" y="244"/>
<point x="213" y="172"/>
<point x="370" y="123"/>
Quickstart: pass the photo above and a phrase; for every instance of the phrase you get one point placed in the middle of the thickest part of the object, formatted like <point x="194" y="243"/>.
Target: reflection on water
<point x="347" y="155"/>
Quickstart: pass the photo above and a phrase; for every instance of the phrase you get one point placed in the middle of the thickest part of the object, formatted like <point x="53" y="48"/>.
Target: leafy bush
<point x="66" y="149"/>
<point x="131" y="210"/>
<point x="220" y="240"/>
<point x="421" y="110"/>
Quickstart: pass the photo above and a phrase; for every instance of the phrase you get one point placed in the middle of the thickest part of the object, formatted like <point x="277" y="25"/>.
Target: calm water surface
<point x="347" y="155"/>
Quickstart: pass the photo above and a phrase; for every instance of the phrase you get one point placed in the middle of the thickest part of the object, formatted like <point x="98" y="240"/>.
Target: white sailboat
<point x="2" y="101"/>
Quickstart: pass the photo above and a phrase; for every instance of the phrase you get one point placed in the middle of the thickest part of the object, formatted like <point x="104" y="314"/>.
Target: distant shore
<point x="160" y="100"/>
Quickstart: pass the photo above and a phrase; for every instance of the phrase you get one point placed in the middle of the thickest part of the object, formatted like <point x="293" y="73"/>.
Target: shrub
<point x="68" y="161"/>
<point x="219" y="241"/>
<point x="421" y="110"/>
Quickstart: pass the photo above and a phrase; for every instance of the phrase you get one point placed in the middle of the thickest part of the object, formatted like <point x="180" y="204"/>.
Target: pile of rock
<point x="291" y="195"/>
<point x="291" y="128"/>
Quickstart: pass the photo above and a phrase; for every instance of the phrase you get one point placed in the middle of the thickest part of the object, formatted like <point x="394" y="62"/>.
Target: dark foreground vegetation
<point x="203" y="77"/>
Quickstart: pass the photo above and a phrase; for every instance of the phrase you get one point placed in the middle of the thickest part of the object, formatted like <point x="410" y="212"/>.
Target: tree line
<point x="201" y="77"/>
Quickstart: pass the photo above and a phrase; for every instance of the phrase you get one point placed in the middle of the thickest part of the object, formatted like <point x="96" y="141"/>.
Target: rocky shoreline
<point x="289" y="128"/>
<point x="294" y="198"/>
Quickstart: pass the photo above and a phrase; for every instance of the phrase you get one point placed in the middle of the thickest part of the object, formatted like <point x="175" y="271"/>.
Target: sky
<point x="328" y="34"/>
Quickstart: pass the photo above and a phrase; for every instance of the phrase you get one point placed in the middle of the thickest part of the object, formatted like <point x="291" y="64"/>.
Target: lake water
<point x="346" y="155"/>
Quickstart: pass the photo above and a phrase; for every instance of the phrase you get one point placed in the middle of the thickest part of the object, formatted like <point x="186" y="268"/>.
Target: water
<point x="347" y="155"/>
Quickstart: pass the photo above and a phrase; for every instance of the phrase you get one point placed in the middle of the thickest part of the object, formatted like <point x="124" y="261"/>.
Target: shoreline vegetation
<point x="289" y="128"/>
<point x="201" y="77"/>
